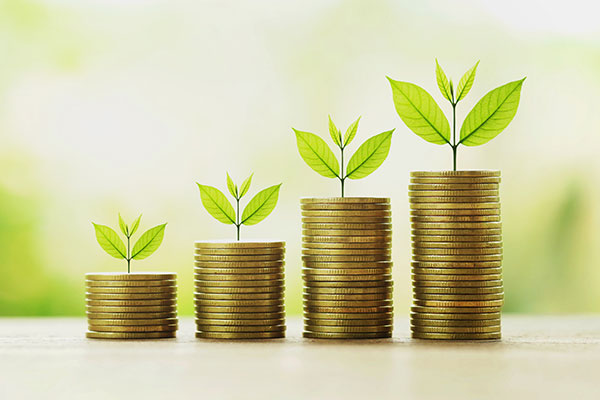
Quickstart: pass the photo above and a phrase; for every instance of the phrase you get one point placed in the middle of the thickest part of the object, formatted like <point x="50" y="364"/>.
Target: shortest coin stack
<point x="239" y="289"/>
<point x="132" y="305"/>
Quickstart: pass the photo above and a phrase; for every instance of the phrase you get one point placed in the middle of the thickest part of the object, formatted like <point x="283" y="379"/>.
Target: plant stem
<point x="237" y="218"/>
<point x="454" y="145"/>
<point x="128" y="255"/>
<point x="342" y="177"/>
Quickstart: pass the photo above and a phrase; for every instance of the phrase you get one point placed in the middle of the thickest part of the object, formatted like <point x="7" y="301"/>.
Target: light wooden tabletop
<point x="539" y="358"/>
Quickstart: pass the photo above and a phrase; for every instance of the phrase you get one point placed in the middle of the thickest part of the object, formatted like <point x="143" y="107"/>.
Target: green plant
<point x="147" y="244"/>
<point x="367" y="158"/>
<point x="256" y="210"/>
<point x="490" y="116"/>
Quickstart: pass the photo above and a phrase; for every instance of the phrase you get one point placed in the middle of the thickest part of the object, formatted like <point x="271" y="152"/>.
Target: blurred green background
<point x="113" y="106"/>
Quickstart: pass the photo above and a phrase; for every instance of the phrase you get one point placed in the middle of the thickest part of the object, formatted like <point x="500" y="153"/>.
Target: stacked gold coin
<point x="131" y="306"/>
<point x="457" y="255"/>
<point x="239" y="290"/>
<point x="347" y="268"/>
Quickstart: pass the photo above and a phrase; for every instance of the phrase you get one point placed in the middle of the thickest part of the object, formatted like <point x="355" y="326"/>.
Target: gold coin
<point x="348" y="291"/>
<point x="455" y="317"/>
<point x="457" y="336"/>
<point x="348" y="265"/>
<point x="348" y="322"/>
<point x="131" y="322"/>
<point x="455" y="213"/>
<point x="240" y="322"/>
<point x="244" y="251"/>
<point x="238" y="258"/>
<point x="240" y="309"/>
<point x="237" y="284"/>
<point x="344" y="200"/>
<point x="459" y="251"/>
<point x="347" y="220"/>
<point x="238" y="329"/>
<point x="349" y="284"/>
<point x="365" y="335"/>
<point x="455" y="322"/>
<point x="350" y="271"/>
<point x="347" y="258"/>
<point x="238" y="296"/>
<point x="338" y="310"/>
<point x="459" y="297"/>
<point x="464" y="173"/>
<point x="459" y="218"/>
<point x="431" y="277"/>
<point x="131" y="284"/>
<point x="134" y="276"/>
<point x="459" y="291"/>
<point x="457" y="245"/>
<point x="347" y="232"/>
<point x="475" y="234"/>
<point x="454" y="264"/>
<point x="454" y="310"/>
<point x="346" y="207"/>
<point x="458" y="284"/>
<point x="238" y="244"/>
<point x="458" y="241"/>
<point x="453" y="201"/>
<point x="346" y="297"/>
<point x="150" y="291"/>
<point x="241" y="290"/>
<point x="343" y="245"/>
<point x="132" y="329"/>
<point x="468" y="205"/>
<point x="351" y="316"/>
<point x="131" y="296"/>
<point x="346" y="252"/>
<point x="239" y="264"/>
<point x="456" y="271"/>
<point x="449" y="303"/>
<point x="344" y="226"/>
<point x="237" y="303"/>
<point x="238" y="271"/>
<point x="456" y="225"/>
<point x="132" y="303"/>
<point x="347" y="329"/>
<point x="346" y="213"/>
<point x="446" y="180"/>
<point x="346" y="278"/>
<point x="377" y="240"/>
<point x="131" y="309"/>
<point x="240" y="335"/>
<point x="347" y="303"/>
<point x="447" y="186"/>
<point x="456" y="329"/>
<point x="238" y="277"/>
<point x="135" y="316"/>
<point x="129" y="335"/>
<point x="233" y="317"/>
<point x="461" y="258"/>
<point x="423" y="195"/>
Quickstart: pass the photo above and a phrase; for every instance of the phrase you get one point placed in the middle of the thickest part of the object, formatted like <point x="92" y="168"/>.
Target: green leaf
<point x="442" y="81"/>
<point x="315" y="152"/>
<point x="369" y="156"/>
<point x="148" y="242"/>
<point x="491" y="115"/>
<point x="135" y="225"/>
<point x="123" y="226"/>
<point x="217" y="204"/>
<point x="261" y="205"/>
<point x="335" y="133"/>
<point x="246" y="185"/>
<point x="420" y="112"/>
<point x="110" y="241"/>
<point x="351" y="132"/>
<point x="231" y="186"/>
<point x="466" y="83"/>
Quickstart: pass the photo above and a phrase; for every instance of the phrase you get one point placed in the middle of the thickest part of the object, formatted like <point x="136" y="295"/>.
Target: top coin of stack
<point x="457" y="255"/>
<point x="347" y="268"/>
<point x="131" y="305"/>
<point x="239" y="289"/>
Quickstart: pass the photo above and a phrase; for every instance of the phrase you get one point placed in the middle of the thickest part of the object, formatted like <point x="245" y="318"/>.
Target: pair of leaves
<point x="233" y="188"/>
<point x="369" y="156"/>
<point x="490" y="116"/>
<point x="147" y="244"/>
<point x="125" y="228"/>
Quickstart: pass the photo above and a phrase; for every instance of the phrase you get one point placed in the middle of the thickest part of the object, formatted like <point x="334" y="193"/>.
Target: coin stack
<point x="457" y="255"/>
<point x="239" y="289"/>
<point x="347" y="268"/>
<point x="131" y="306"/>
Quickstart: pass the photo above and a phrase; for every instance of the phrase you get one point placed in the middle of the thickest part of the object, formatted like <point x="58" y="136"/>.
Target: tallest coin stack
<point x="457" y="255"/>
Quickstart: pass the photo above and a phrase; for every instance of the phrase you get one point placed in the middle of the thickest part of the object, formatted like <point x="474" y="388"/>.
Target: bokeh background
<point x="111" y="106"/>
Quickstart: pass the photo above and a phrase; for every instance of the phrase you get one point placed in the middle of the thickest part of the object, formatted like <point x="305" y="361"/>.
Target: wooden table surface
<point x="554" y="357"/>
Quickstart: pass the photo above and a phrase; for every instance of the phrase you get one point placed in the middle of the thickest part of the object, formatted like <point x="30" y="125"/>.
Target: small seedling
<point x="490" y="116"/>
<point x="369" y="156"/>
<point x="147" y="244"/>
<point x="256" y="210"/>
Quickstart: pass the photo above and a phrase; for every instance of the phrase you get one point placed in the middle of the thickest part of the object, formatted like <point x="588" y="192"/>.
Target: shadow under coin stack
<point x="131" y="306"/>
<point x="457" y="255"/>
<point x="239" y="290"/>
<point x="347" y="268"/>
